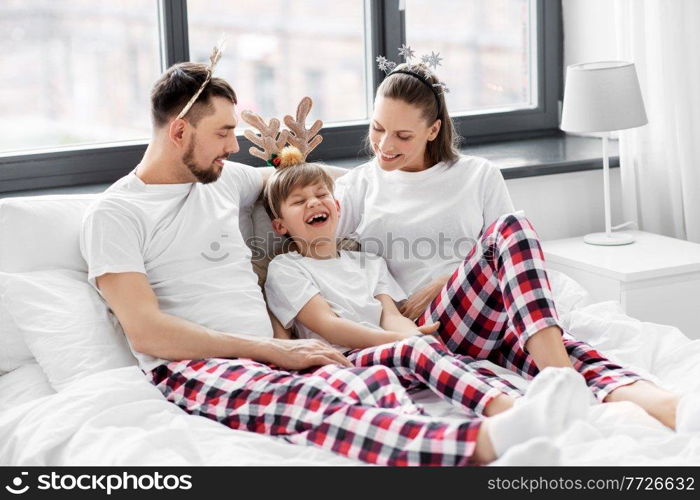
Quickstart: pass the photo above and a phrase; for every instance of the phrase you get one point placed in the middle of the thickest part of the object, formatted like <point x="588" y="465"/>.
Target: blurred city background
<point x="80" y="71"/>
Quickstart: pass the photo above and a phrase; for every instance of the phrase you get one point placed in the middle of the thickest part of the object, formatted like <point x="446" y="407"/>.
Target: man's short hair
<point x="177" y="85"/>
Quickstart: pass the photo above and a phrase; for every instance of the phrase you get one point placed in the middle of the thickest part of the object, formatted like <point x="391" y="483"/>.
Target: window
<point x="486" y="50"/>
<point x="77" y="73"/>
<point x="294" y="39"/>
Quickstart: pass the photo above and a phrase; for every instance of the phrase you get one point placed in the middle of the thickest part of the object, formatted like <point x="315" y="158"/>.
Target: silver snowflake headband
<point x="412" y="69"/>
<point x="213" y="61"/>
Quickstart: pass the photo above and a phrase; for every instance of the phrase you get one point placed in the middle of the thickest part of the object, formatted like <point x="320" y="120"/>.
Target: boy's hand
<point x="417" y="303"/>
<point x="429" y="329"/>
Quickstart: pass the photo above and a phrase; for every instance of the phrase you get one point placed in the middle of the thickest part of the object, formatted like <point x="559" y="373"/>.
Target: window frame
<point x="385" y="30"/>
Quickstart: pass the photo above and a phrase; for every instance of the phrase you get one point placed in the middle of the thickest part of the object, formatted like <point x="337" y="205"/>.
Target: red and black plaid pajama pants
<point x="423" y="360"/>
<point x="361" y="413"/>
<point x="499" y="296"/>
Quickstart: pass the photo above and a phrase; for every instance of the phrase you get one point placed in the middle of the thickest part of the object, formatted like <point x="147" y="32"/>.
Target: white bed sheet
<point x="117" y="418"/>
<point x="26" y="383"/>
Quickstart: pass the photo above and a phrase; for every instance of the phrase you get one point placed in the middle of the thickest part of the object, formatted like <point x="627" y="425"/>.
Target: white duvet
<point x="117" y="418"/>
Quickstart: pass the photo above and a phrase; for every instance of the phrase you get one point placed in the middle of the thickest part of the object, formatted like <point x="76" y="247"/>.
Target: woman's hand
<point x="417" y="303"/>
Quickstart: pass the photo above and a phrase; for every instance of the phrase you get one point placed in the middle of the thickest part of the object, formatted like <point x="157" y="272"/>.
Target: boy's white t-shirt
<point x="186" y="239"/>
<point x="348" y="283"/>
<point x="423" y="223"/>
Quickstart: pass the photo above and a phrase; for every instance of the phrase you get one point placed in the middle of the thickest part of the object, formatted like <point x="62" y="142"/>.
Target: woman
<point x="421" y="205"/>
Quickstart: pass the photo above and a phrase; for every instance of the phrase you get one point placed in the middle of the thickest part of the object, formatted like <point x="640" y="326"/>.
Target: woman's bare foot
<point x="657" y="402"/>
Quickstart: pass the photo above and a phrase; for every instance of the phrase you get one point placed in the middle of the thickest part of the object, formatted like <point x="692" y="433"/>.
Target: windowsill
<point x="547" y="155"/>
<point x="538" y="156"/>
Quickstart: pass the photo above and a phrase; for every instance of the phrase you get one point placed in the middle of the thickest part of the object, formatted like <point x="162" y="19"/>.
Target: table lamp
<point x="602" y="97"/>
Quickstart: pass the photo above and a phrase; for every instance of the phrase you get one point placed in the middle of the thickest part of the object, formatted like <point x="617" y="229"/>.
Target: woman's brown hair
<point x="413" y="91"/>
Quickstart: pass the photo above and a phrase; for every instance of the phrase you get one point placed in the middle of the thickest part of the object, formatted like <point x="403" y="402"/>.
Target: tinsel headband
<point x="432" y="60"/>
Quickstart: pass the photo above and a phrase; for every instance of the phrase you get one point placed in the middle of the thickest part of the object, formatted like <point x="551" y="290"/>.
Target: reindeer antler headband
<point x="216" y="54"/>
<point x="270" y="141"/>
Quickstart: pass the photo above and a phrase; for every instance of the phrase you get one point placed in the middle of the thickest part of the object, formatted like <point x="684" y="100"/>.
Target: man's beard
<point x="203" y="175"/>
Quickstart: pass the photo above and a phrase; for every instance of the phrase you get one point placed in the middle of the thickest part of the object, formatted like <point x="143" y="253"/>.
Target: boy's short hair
<point x="285" y="180"/>
<point x="173" y="90"/>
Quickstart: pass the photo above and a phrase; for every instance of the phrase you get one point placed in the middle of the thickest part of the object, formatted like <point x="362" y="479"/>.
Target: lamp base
<point x="612" y="239"/>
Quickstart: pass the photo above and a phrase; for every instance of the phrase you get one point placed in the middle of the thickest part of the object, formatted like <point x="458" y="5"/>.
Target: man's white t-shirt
<point x="348" y="283"/>
<point x="423" y="223"/>
<point x="186" y="239"/>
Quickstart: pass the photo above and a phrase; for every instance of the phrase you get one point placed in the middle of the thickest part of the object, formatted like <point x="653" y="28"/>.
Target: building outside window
<point x="77" y="73"/>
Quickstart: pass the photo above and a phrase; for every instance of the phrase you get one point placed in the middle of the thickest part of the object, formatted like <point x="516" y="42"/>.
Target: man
<point x="165" y="251"/>
<point x="173" y="205"/>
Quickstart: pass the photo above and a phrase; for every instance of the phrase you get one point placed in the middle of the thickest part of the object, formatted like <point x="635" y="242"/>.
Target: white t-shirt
<point x="423" y="223"/>
<point x="348" y="283"/>
<point x="186" y="239"/>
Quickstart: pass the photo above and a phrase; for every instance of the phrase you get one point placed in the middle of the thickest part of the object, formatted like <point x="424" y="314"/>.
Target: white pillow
<point x="42" y="232"/>
<point x="66" y="325"/>
<point x="13" y="349"/>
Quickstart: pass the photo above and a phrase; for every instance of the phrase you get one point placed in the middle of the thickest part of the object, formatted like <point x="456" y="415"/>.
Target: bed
<point x="71" y="394"/>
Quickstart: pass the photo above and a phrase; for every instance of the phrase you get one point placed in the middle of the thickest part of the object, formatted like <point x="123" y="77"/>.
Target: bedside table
<point x="656" y="278"/>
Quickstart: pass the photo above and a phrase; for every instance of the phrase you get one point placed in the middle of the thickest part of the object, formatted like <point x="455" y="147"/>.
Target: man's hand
<point x="417" y="303"/>
<point x="161" y="335"/>
<point x="302" y="353"/>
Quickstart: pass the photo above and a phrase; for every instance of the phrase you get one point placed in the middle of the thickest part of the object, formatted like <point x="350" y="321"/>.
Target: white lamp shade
<point x="601" y="97"/>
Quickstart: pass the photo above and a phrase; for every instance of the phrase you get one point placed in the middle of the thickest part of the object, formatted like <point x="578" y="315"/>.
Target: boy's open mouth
<point x="317" y="219"/>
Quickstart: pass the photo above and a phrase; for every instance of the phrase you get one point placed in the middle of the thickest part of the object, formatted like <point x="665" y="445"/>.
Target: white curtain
<point x="660" y="162"/>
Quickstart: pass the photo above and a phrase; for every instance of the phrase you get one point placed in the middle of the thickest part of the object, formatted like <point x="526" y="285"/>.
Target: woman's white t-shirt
<point x="423" y="223"/>
<point x="348" y="283"/>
